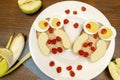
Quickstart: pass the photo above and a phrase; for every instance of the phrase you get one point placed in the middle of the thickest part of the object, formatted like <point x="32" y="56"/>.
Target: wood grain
<point x="13" y="20"/>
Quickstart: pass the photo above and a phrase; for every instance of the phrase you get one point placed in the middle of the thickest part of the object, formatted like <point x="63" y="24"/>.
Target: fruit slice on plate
<point x="42" y="40"/>
<point x="65" y="40"/>
<point x="79" y="42"/>
<point x="56" y="22"/>
<point x="107" y="33"/>
<point x="29" y="6"/>
<point x="99" y="52"/>
<point x="42" y="25"/>
<point x="91" y="27"/>
<point x="114" y="71"/>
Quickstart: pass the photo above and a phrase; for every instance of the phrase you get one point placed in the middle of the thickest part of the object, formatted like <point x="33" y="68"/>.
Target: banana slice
<point x="42" y="40"/>
<point x="79" y="42"/>
<point x="114" y="71"/>
<point x="99" y="52"/>
<point x="65" y="40"/>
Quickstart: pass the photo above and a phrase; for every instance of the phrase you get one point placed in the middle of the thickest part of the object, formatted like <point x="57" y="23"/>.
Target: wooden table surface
<point x="13" y="20"/>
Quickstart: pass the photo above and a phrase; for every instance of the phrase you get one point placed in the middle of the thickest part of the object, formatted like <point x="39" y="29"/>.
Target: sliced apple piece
<point x="117" y="60"/>
<point x="99" y="52"/>
<point x="29" y="6"/>
<point x="79" y="42"/>
<point x="42" y="40"/>
<point x="65" y="40"/>
<point x="113" y="71"/>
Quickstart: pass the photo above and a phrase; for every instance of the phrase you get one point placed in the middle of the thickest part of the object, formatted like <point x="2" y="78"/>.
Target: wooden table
<point x="13" y="20"/>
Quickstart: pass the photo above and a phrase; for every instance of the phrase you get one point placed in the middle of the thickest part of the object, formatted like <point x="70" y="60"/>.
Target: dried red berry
<point x="86" y="54"/>
<point x="67" y="11"/>
<point x="93" y="48"/>
<point x="76" y="25"/>
<point x="52" y="63"/>
<point x="58" y="69"/>
<point x="53" y="41"/>
<point x="83" y="8"/>
<point x="66" y="21"/>
<point x="58" y="23"/>
<point x="49" y="41"/>
<point x="69" y="68"/>
<point x="90" y="43"/>
<point x="72" y="73"/>
<point x="54" y="50"/>
<point x="85" y="44"/>
<point x="58" y="38"/>
<point x="79" y="67"/>
<point x="103" y="31"/>
<point x="50" y="30"/>
<point x="95" y="36"/>
<point x="88" y="26"/>
<point x="45" y="24"/>
<point x="81" y="52"/>
<point x="59" y="49"/>
<point x="74" y="12"/>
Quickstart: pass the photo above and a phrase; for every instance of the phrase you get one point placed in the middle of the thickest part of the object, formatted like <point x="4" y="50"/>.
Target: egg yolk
<point x="92" y="27"/>
<point x="43" y="24"/>
<point x="55" y="22"/>
<point x="105" y="33"/>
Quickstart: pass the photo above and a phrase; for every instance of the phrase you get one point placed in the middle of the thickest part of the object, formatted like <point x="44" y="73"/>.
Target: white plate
<point x="90" y="70"/>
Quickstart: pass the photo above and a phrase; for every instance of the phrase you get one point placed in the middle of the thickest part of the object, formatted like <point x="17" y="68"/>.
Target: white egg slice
<point x="42" y="25"/>
<point x="56" y="22"/>
<point x="107" y="32"/>
<point x="91" y="27"/>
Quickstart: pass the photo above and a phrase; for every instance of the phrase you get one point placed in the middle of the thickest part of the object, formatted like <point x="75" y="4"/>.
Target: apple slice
<point x="99" y="52"/>
<point x="65" y="40"/>
<point x="42" y="40"/>
<point x="29" y="6"/>
<point x="79" y="42"/>
<point x="114" y="71"/>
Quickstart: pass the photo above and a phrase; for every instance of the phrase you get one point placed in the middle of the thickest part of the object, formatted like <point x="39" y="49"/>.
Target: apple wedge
<point x="114" y="71"/>
<point x="29" y="6"/>
<point x="99" y="52"/>
<point x="65" y="40"/>
<point x="117" y="60"/>
<point x="42" y="40"/>
<point x="79" y="42"/>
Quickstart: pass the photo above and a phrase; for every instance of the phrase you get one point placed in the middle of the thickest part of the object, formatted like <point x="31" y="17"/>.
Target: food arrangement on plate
<point x="72" y="42"/>
<point x="91" y="41"/>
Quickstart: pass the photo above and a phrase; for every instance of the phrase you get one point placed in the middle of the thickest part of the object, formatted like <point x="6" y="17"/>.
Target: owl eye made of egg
<point x="44" y="24"/>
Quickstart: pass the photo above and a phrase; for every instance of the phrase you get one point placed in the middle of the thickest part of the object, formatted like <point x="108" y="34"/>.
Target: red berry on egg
<point x="58" y="23"/>
<point x="88" y="26"/>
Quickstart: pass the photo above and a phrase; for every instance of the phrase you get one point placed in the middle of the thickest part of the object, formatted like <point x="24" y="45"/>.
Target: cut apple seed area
<point x="29" y="6"/>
